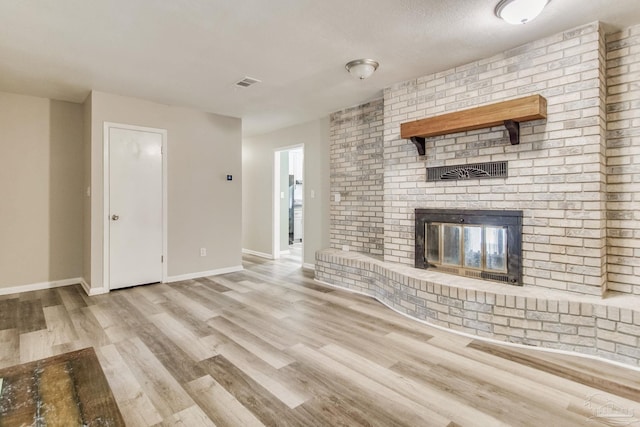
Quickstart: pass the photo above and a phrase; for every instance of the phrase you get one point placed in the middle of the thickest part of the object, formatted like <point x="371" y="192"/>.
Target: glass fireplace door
<point x="466" y="247"/>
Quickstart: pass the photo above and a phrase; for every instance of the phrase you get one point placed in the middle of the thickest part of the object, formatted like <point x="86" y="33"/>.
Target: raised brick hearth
<point x="574" y="176"/>
<point x="586" y="324"/>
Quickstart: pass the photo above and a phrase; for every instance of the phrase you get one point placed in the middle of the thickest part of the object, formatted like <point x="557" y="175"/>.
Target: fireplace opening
<point x="480" y="243"/>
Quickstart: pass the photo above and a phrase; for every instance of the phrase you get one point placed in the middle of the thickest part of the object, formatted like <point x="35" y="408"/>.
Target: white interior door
<point x="135" y="207"/>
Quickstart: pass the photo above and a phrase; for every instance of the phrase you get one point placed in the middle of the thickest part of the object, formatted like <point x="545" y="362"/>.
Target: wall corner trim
<point x="189" y="276"/>
<point x="40" y="286"/>
<point x="92" y="291"/>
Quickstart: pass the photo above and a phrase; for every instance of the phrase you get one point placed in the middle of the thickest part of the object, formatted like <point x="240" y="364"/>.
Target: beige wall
<point x="40" y="190"/>
<point x="204" y="210"/>
<point x="257" y="201"/>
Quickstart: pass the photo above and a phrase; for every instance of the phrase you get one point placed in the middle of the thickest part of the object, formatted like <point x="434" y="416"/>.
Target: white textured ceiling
<point x="190" y="52"/>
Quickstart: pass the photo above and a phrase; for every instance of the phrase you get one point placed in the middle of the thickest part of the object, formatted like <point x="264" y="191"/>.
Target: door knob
<point x="115" y="217"/>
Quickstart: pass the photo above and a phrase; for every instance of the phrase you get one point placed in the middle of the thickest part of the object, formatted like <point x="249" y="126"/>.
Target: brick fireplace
<point x="573" y="176"/>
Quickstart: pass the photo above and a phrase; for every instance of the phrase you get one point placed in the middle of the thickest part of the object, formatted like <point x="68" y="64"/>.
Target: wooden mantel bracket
<point x="508" y="113"/>
<point x="420" y="144"/>
<point x="513" y="128"/>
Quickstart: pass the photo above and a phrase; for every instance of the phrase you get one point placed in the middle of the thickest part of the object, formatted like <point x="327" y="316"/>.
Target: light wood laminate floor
<point x="269" y="346"/>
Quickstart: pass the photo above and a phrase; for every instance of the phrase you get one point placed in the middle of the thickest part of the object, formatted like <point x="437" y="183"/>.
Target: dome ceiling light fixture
<point x="362" y="68"/>
<point x="517" y="12"/>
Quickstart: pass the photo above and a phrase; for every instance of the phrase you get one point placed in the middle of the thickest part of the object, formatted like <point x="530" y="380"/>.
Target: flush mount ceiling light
<point x="519" y="11"/>
<point x="361" y="68"/>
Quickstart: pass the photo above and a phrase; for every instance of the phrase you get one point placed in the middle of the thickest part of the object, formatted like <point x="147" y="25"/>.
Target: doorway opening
<point x="288" y="224"/>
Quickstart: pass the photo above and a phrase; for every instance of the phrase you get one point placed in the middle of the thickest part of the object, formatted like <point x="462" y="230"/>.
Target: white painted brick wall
<point x="575" y="175"/>
<point x="623" y="160"/>
<point x="556" y="174"/>
<point x="356" y="175"/>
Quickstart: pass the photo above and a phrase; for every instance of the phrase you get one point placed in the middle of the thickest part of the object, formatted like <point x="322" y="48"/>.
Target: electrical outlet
<point x="203" y="251"/>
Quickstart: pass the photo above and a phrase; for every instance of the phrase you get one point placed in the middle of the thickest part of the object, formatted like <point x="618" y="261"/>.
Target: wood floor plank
<point x="191" y="305"/>
<point x="499" y="402"/>
<point x="212" y="284"/>
<point x="115" y="330"/>
<point x="152" y="293"/>
<point x="36" y="345"/>
<point x="9" y="313"/>
<point x="227" y="282"/>
<point x="186" y="318"/>
<point x="47" y="297"/>
<point x="598" y="381"/>
<point x="190" y="417"/>
<point x="136" y="407"/>
<point x="166" y="394"/>
<point x="221" y="406"/>
<point x="412" y="390"/>
<point x="251" y="342"/>
<point x="263" y="374"/>
<point x="258" y="305"/>
<point x="270" y="346"/>
<point x="334" y="401"/>
<point x="59" y="324"/>
<point x="87" y="328"/>
<point x="277" y="334"/>
<point x="345" y="334"/>
<point x="142" y="304"/>
<point x="73" y="297"/>
<point x="171" y="355"/>
<point x="9" y="347"/>
<point x="192" y="344"/>
<point x="406" y="411"/>
<point x="263" y="405"/>
<point x="211" y="298"/>
<point x="31" y="316"/>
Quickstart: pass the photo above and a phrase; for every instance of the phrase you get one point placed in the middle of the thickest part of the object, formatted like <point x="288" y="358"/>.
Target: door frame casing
<point x="106" y="201"/>
<point x="275" y="226"/>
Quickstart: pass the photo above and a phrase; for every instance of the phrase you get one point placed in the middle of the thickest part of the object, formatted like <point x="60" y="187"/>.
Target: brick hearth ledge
<point x="605" y="327"/>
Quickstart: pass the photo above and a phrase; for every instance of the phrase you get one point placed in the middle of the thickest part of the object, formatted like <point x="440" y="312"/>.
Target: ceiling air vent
<point x="247" y="81"/>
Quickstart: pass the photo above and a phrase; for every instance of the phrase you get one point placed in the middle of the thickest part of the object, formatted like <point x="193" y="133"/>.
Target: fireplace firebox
<point x="484" y="244"/>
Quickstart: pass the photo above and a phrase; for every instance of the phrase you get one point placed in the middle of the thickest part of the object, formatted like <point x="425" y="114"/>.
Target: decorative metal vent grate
<point x="470" y="171"/>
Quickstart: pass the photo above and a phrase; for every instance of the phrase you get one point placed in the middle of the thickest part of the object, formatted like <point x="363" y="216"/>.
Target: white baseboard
<point x="309" y="266"/>
<point x="256" y="253"/>
<point x="92" y="291"/>
<point x="287" y="252"/>
<point x="40" y="286"/>
<point x="197" y="275"/>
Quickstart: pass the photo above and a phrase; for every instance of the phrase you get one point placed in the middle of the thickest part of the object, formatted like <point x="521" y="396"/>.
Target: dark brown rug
<point x="65" y="390"/>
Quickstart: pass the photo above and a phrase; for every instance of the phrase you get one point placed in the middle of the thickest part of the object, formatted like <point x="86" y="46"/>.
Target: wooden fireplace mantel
<point x="510" y="113"/>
